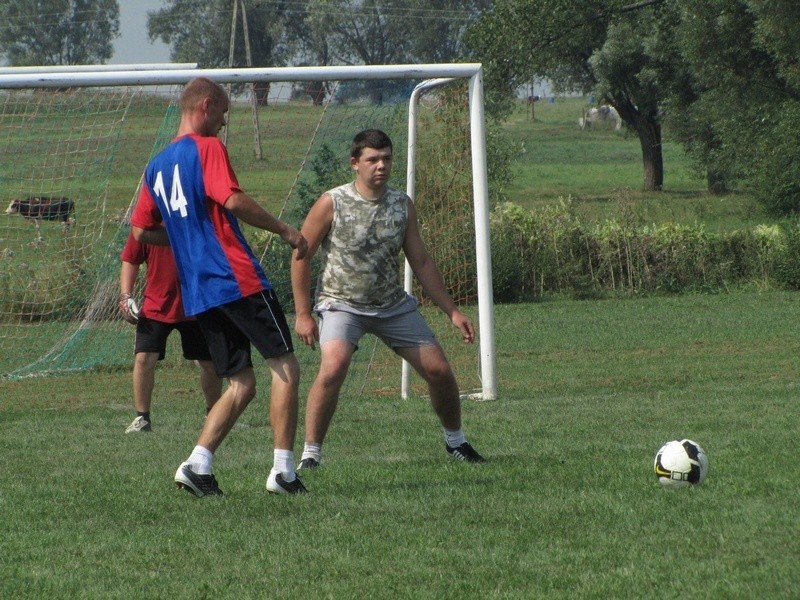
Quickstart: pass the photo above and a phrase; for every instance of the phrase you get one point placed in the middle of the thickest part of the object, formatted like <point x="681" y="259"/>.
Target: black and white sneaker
<point x="465" y="452"/>
<point x="276" y="484"/>
<point x="199" y="485"/>
<point x="309" y="463"/>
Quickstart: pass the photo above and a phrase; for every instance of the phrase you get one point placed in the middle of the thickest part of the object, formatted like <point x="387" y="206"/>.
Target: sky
<point x="133" y="46"/>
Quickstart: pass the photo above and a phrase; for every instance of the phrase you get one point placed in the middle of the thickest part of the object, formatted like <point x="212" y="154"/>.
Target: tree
<point x="362" y="32"/>
<point x="608" y="47"/>
<point x="200" y="31"/>
<point x="394" y="31"/>
<point x="376" y="32"/>
<point x="739" y="114"/>
<point x="58" y="32"/>
<point x="439" y="27"/>
<point x="634" y="70"/>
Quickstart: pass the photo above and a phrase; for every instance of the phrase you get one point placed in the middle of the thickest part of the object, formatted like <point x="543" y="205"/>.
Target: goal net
<point x="74" y="146"/>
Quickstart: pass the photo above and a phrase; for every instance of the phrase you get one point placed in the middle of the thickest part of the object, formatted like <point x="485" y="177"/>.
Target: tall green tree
<point x="200" y="31"/>
<point x="58" y="32"/>
<point x="612" y="48"/>
<point x="439" y="28"/>
<point x="393" y="31"/>
<point x="376" y="32"/>
<point x="739" y="114"/>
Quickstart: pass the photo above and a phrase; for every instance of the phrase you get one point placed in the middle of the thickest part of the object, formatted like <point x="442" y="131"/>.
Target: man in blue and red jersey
<point x="190" y="199"/>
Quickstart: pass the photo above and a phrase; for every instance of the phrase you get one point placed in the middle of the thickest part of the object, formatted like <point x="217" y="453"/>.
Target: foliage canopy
<point x="58" y="32"/>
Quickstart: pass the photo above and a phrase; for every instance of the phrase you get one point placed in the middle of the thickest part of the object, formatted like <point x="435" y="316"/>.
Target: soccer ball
<point x="681" y="463"/>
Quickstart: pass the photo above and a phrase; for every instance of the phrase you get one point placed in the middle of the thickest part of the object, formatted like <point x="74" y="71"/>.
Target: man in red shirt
<point x="161" y="313"/>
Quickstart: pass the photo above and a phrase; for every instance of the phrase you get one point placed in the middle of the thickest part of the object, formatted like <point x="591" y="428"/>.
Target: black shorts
<point x="151" y="336"/>
<point x="232" y="327"/>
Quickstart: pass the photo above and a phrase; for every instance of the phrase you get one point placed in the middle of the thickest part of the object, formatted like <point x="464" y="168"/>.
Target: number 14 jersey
<point x="186" y="187"/>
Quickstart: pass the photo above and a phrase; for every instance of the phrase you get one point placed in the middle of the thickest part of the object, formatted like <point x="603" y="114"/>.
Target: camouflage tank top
<point x="361" y="253"/>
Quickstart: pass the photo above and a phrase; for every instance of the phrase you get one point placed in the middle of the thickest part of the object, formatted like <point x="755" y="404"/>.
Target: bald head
<point x="204" y="105"/>
<point x="199" y="89"/>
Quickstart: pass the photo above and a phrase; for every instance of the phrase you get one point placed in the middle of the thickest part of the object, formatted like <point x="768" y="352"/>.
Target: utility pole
<point x="249" y="61"/>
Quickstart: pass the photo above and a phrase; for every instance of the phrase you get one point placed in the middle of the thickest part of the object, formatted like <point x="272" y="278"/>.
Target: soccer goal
<point x="82" y="138"/>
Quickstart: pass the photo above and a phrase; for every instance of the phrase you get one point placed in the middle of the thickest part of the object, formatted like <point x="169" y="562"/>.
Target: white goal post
<point x="433" y="74"/>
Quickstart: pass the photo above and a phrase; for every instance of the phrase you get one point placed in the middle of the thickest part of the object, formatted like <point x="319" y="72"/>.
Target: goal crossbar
<point x="236" y="75"/>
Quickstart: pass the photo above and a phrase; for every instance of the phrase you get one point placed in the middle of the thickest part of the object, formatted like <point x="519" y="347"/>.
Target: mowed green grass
<point x="600" y="170"/>
<point x="567" y="505"/>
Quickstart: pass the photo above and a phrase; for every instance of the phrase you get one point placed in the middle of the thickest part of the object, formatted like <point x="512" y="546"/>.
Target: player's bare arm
<point x="427" y="273"/>
<point x="314" y="229"/>
<point x="251" y="212"/>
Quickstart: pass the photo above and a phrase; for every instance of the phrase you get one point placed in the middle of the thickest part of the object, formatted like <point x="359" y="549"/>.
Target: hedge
<point x="535" y="253"/>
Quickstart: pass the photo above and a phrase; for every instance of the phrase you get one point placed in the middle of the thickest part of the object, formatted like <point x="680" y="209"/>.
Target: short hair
<point x="369" y="138"/>
<point x="199" y="88"/>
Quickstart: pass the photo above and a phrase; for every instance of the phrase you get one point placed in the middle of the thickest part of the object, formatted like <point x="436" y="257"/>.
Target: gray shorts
<point x="406" y="329"/>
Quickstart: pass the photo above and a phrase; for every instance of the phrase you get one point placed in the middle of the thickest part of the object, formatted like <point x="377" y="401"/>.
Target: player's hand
<point x="296" y="240"/>
<point x="463" y="322"/>
<point x="129" y="308"/>
<point x="307" y="330"/>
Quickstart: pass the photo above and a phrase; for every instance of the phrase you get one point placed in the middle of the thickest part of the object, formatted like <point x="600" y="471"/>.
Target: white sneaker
<point x="139" y="424"/>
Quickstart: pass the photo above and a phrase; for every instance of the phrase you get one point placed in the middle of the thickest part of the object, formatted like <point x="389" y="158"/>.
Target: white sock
<point x="454" y="437"/>
<point x="283" y="462"/>
<point x="201" y="459"/>
<point x="312" y="451"/>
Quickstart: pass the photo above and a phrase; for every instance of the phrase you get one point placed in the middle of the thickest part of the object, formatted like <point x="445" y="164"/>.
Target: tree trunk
<point x="652" y="154"/>
<point x="716" y="181"/>
<point x="261" y="90"/>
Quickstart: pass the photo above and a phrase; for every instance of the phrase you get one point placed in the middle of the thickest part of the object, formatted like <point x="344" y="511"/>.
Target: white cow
<point x="601" y="114"/>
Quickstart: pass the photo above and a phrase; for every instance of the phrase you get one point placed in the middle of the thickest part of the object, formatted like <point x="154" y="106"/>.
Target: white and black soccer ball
<point x="681" y="463"/>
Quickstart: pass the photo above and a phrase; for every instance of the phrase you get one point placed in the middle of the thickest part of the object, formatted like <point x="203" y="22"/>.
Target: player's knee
<point x="146" y="360"/>
<point x="332" y="373"/>
<point x="247" y="391"/>
<point x="285" y="370"/>
<point x="439" y="374"/>
<point x="243" y="386"/>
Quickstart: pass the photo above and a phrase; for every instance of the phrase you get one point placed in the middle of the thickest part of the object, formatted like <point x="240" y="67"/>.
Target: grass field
<point x="601" y="170"/>
<point x="567" y="505"/>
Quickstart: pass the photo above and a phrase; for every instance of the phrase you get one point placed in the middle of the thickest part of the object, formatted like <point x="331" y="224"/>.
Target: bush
<point x="33" y="293"/>
<point x="786" y="270"/>
<point x="551" y="251"/>
<point x="509" y="268"/>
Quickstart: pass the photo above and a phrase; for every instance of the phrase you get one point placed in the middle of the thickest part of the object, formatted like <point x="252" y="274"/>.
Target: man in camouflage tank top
<point x="361" y="228"/>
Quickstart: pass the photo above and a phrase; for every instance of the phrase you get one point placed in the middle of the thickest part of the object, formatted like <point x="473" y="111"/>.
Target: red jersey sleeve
<point x="146" y="214"/>
<point x="133" y="252"/>
<point x="218" y="176"/>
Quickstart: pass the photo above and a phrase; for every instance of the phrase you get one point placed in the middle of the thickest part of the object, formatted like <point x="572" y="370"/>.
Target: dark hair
<point x="369" y="138"/>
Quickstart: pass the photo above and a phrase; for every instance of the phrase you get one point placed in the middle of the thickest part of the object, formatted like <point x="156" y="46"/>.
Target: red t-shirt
<point x="162" y="290"/>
